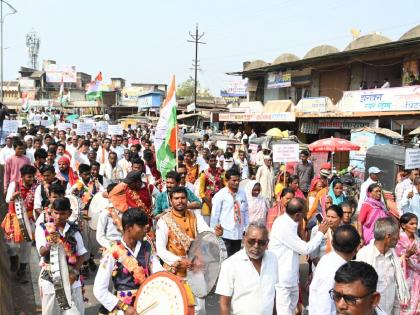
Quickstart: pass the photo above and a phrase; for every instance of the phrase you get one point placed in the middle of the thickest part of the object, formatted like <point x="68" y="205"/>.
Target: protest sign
<point x="83" y="128"/>
<point x="10" y="126"/>
<point x="286" y="152"/>
<point x="102" y="126"/>
<point x="115" y="130"/>
<point x="64" y="126"/>
<point x="412" y="159"/>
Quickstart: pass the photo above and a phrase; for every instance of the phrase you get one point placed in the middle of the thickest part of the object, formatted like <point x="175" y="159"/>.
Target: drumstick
<point x="148" y="308"/>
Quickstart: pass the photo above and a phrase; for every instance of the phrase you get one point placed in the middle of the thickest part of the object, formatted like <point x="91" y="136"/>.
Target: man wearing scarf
<point x="66" y="173"/>
<point x="25" y="189"/>
<point x="133" y="193"/>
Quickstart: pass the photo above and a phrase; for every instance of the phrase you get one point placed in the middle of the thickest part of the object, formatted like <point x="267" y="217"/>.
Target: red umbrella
<point x="333" y="145"/>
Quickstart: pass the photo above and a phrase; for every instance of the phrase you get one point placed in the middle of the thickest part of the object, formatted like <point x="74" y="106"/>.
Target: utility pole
<point x="1" y="41"/>
<point x="196" y="40"/>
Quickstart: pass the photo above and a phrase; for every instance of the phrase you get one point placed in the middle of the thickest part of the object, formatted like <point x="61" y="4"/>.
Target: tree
<point x="186" y="89"/>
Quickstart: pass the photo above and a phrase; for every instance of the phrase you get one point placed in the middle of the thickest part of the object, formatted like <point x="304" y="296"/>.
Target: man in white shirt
<point x="345" y="242"/>
<point x="386" y="84"/>
<point x="249" y="275"/>
<point x="405" y="186"/>
<point x="230" y="209"/>
<point x="139" y="251"/>
<point x="242" y="162"/>
<point x="354" y="292"/>
<point x="253" y="135"/>
<point x="125" y="163"/>
<point x="111" y="171"/>
<point x="6" y="151"/>
<point x="116" y="146"/>
<point x="374" y="173"/>
<point x="45" y="236"/>
<point x="265" y="176"/>
<point x="411" y="200"/>
<point x="287" y="246"/>
<point x="380" y="254"/>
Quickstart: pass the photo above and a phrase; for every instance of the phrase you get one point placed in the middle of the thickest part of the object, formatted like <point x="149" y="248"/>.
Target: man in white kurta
<point x="265" y="176"/>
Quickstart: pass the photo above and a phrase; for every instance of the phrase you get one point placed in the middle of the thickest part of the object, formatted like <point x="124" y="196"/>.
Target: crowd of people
<point x="362" y="258"/>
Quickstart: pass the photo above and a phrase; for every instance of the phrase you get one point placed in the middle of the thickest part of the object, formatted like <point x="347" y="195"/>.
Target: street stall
<point x="367" y="137"/>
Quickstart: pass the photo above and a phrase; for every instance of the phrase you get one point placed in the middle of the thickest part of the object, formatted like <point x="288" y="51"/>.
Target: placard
<point x="115" y="130"/>
<point x="64" y="126"/>
<point x="412" y="159"/>
<point x="10" y="126"/>
<point x="286" y="152"/>
<point x="102" y="126"/>
<point x="222" y="145"/>
<point x="254" y="150"/>
<point x="83" y="128"/>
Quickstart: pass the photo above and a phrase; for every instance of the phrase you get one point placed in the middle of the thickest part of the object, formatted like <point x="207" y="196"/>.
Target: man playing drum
<point x="175" y="232"/>
<point x="24" y="188"/>
<point x="128" y="263"/>
<point x="66" y="233"/>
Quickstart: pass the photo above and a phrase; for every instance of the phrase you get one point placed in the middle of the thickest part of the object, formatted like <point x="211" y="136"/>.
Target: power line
<point x="196" y="40"/>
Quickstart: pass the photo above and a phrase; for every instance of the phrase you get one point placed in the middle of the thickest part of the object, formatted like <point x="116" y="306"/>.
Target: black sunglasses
<point x="251" y="242"/>
<point x="349" y="299"/>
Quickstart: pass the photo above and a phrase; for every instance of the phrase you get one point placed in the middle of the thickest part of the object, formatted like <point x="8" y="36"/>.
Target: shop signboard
<point x="279" y="79"/>
<point x="412" y="158"/>
<point x="314" y="105"/>
<point x="347" y="123"/>
<point x="235" y="88"/>
<point x="286" y="152"/>
<point x="57" y="73"/>
<point x="285" y="116"/>
<point x="392" y="99"/>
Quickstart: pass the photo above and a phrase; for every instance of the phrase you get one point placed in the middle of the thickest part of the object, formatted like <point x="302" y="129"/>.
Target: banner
<point x="55" y="73"/>
<point x="64" y="126"/>
<point x="285" y="116"/>
<point x="412" y="158"/>
<point x="235" y="88"/>
<point x="279" y="79"/>
<point x="83" y="128"/>
<point x="393" y="99"/>
<point x="286" y="152"/>
<point x="115" y="130"/>
<point x="254" y="150"/>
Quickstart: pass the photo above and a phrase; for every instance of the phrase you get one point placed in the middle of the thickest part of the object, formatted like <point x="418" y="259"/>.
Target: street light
<point x="14" y="11"/>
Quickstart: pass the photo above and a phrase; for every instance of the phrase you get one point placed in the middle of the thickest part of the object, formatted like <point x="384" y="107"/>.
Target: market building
<point x="334" y="91"/>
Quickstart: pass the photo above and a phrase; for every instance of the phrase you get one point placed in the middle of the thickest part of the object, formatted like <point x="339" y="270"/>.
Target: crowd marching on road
<point x="362" y="258"/>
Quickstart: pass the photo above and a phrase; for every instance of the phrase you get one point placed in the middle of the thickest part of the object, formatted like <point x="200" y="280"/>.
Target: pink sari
<point x="377" y="210"/>
<point x="411" y="267"/>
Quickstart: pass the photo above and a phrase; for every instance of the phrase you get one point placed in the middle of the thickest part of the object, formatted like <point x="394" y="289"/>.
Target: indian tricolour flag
<point x="166" y="135"/>
<point x="94" y="90"/>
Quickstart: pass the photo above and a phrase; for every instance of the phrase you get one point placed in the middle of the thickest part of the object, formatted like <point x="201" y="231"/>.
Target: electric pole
<point x="196" y="40"/>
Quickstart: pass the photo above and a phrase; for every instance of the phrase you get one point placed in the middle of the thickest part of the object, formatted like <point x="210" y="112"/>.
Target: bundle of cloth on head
<point x="118" y="196"/>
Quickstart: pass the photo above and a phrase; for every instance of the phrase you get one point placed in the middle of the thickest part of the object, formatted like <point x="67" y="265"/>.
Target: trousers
<point x="286" y="300"/>
<point x="232" y="246"/>
<point x="23" y="250"/>
<point x="50" y="305"/>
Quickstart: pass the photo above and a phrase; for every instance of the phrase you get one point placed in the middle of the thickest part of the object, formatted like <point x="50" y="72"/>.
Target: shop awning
<point x="280" y="106"/>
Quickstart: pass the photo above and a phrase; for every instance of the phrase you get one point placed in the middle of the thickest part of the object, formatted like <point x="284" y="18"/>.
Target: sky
<point x="146" y="41"/>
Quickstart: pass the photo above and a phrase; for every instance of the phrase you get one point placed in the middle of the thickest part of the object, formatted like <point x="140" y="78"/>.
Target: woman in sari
<point x="336" y="192"/>
<point x="316" y="187"/>
<point x="372" y="209"/>
<point x="257" y="205"/>
<point x="279" y="207"/>
<point x="408" y="249"/>
<point x="281" y="181"/>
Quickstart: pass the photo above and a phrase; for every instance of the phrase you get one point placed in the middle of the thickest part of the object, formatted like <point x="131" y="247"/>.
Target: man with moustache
<point x="249" y="275"/>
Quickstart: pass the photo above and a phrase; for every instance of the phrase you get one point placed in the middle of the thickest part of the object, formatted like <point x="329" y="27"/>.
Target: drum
<point x="60" y="276"/>
<point x="207" y="252"/>
<point x="164" y="293"/>
<point x="97" y="204"/>
<point x="75" y="208"/>
<point x="23" y="219"/>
